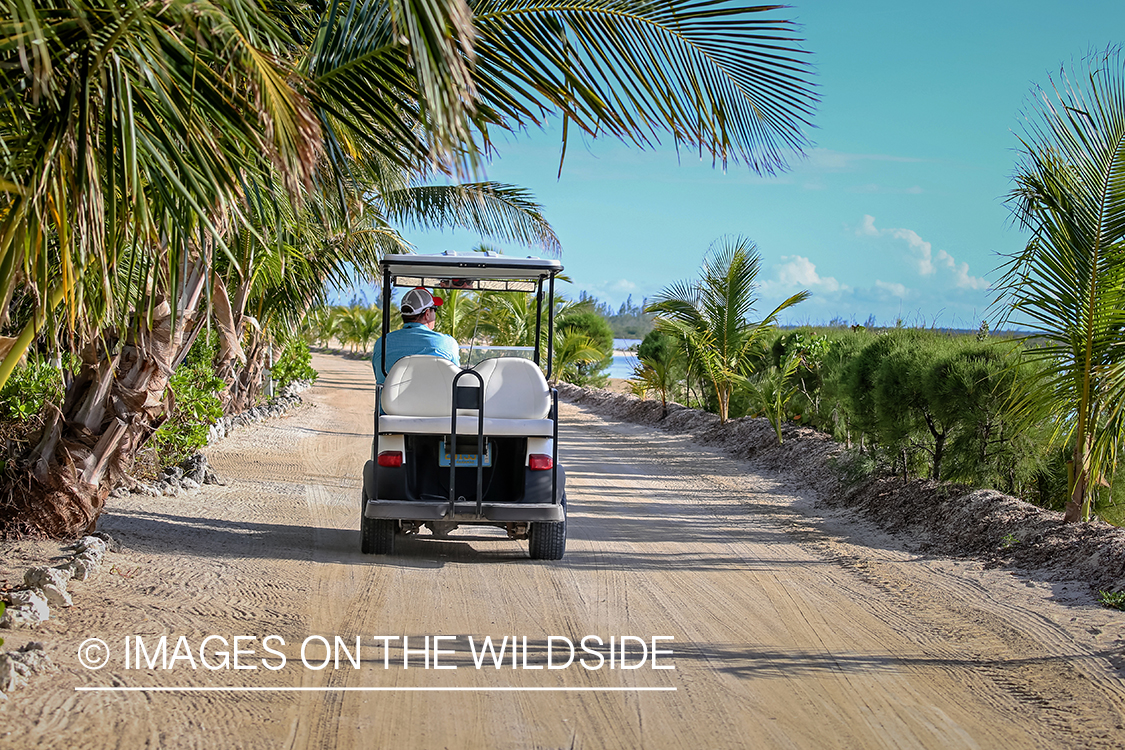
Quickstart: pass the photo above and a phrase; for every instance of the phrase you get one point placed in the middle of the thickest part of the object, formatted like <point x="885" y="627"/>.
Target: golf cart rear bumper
<point x="467" y="512"/>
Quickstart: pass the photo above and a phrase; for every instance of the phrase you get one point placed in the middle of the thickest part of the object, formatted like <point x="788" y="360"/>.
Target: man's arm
<point x="376" y="356"/>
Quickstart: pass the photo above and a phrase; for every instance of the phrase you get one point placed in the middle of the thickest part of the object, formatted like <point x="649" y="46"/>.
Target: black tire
<point x="376" y="535"/>
<point x="547" y="541"/>
<point x="367" y="535"/>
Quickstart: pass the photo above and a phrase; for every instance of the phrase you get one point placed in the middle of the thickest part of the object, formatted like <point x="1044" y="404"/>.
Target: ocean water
<point x="624" y="361"/>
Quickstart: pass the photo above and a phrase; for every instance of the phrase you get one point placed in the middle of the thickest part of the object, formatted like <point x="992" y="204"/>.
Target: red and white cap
<point x="417" y="301"/>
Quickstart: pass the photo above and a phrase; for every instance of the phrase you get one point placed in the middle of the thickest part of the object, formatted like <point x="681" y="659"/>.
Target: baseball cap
<point x="417" y="301"/>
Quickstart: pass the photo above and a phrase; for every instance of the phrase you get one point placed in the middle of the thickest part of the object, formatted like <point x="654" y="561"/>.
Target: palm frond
<point x="729" y="81"/>
<point x="494" y="210"/>
<point x="1068" y="285"/>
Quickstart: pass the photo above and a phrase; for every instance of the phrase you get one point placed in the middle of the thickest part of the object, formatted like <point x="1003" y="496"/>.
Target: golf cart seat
<point x="418" y="391"/>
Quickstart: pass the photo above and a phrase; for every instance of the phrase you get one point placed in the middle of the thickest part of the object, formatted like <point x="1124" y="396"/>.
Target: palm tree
<point x="726" y="80"/>
<point x="1068" y="284"/>
<point x="360" y="326"/>
<point x="573" y="349"/>
<point x="504" y="318"/>
<point x="128" y="130"/>
<point x="317" y="247"/>
<point x="456" y="316"/>
<point x="143" y="140"/>
<point x="773" y="389"/>
<point x="711" y="314"/>
<point x="317" y="327"/>
<point x="653" y="374"/>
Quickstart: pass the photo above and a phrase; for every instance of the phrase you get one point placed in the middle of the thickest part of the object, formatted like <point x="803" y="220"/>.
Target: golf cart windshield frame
<point x="476" y="272"/>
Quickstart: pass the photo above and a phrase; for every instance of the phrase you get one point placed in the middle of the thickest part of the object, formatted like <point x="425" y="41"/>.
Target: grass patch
<point x="1112" y="599"/>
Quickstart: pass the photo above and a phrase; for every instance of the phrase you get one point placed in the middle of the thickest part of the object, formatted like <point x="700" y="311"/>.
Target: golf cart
<point x="473" y="444"/>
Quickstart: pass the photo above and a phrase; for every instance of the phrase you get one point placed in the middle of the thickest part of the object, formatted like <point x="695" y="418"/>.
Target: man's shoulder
<point x="432" y="334"/>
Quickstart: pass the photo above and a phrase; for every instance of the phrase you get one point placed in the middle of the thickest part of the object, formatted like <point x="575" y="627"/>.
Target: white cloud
<point x="613" y="287"/>
<point x="961" y="272"/>
<point x="922" y="253"/>
<point x="799" y="271"/>
<point x="824" y="158"/>
<point x="919" y="248"/>
<point x="612" y="292"/>
<point x="892" y="288"/>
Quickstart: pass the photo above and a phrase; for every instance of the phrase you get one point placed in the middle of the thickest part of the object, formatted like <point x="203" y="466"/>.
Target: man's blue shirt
<point x="414" y="338"/>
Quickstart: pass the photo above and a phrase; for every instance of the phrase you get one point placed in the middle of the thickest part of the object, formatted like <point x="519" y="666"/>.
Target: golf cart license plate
<point x="465" y="459"/>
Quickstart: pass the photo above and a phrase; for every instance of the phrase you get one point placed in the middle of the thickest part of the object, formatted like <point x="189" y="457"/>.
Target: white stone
<point x="13" y="674"/>
<point x="93" y="544"/>
<point x="27" y="597"/>
<point x="83" y="567"/>
<point x="38" y="577"/>
<point x="27" y="607"/>
<point x="57" y="597"/>
<point x="91" y="557"/>
<point x="17" y="666"/>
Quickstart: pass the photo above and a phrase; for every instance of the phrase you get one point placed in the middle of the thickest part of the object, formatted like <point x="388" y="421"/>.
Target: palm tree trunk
<point x="1076" y="502"/>
<point x="248" y="380"/>
<point x="117" y="400"/>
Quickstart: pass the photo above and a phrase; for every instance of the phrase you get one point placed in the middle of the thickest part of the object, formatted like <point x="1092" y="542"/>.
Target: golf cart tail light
<point x="390" y="459"/>
<point x="539" y="462"/>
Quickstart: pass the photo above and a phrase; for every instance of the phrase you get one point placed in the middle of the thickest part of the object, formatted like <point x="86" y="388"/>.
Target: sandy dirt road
<point x="789" y="626"/>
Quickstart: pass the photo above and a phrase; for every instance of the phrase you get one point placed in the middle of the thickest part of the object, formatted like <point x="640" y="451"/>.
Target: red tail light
<point x="390" y="459"/>
<point x="539" y="462"/>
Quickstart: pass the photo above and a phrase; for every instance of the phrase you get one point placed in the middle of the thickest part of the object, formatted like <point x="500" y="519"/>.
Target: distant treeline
<point x="629" y="322"/>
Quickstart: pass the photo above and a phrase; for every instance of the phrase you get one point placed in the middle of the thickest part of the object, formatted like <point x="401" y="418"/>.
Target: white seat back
<point x="514" y="388"/>
<point x="420" y="385"/>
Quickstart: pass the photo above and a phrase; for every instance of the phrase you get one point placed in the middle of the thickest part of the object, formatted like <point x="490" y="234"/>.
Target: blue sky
<point x="897" y="211"/>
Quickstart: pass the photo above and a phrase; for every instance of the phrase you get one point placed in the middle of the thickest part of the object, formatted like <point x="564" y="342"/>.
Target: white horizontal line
<point x="110" y="689"/>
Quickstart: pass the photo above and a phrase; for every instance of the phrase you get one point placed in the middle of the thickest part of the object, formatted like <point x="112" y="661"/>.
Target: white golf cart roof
<point x="486" y="271"/>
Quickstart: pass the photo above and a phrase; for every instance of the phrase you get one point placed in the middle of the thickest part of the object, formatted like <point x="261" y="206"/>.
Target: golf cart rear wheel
<point x="377" y="535"/>
<point x="547" y="541"/>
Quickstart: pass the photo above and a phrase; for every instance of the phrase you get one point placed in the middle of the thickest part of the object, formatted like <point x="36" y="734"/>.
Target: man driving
<point x="417" y="335"/>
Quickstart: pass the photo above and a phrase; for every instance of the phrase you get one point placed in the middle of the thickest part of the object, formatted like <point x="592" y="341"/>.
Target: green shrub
<point x="924" y="401"/>
<point x="832" y="412"/>
<point x="906" y="423"/>
<point x="295" y="363"/>
<point x="29" y="389"/>
<point x="196" y="406"/>
<point x="970" y="387"/>
<point x="658" y="346"/>
<point x="858" y="388"/>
